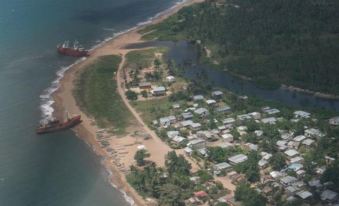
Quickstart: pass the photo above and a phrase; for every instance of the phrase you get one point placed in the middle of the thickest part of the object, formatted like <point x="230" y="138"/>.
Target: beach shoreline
<point x="87" y="131"/>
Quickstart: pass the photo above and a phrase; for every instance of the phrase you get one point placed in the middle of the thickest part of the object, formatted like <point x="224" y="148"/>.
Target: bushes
<point x="249" y="196"/>
<point x="132" y="96"/>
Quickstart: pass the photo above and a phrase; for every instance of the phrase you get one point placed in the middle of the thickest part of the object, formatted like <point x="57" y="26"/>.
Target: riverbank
<point x="124" y="148"/>
<point x="307" y="91"/>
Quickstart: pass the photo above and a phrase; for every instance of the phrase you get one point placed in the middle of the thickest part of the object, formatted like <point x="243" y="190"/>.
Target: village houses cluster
<point x="188" y="128"/>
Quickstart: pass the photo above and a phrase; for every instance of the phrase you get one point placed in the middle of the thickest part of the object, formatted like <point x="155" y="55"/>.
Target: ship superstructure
<point x="75" y="50"/>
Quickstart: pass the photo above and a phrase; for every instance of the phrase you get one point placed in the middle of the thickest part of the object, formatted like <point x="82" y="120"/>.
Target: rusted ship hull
<point x="73" y="52"/>
<point x="59" y="126"/>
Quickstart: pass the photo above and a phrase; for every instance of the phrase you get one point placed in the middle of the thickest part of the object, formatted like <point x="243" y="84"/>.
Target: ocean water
<point x="57" y="169"/>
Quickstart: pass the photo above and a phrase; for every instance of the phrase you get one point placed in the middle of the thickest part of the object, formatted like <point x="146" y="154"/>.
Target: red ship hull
<point x="59" y="126"/>
<point x="73" y="52"/>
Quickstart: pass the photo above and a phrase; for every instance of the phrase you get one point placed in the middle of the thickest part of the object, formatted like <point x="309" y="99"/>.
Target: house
<point x="328" y="196"/>
<point x="200" y="194"/>
<point x="315" y="183"/>
<point x="159" y="91"/>
<point x="197" y="144"/>
<point x="203" y="152"/>
<point x="172" y="134"/>
<point x="262" y="163"/>
<point x="286" y="136"/>
<point x="198" y="98"/>
<point x="308" y="142"/>
<point x="291" y="153"/>
<point x="302" y="114"/>
<point x="304" y="194"/>
<point x="243" y="117"/>
<point x="241" y="129"/>
<point x="237" y="159"/>
<point x="291" y="190"/>
<point x="258" y="133"/>
<point x="228" y="121"/>
<point x="195" y="179"/>
<point x="297" y="159"/>
<point x="255" y="115"/>
<point x="299" y="138"/>
<point x="221" y="167"/>
<point x="251" y="146"/>
<point x="206" y="135"/>
<point x="275" y="174"/>
<point x="293" y="144"/>
<point x="193" y="201"/>
<point x="270" y="111"/>
<point x="269" y="120"/>
<point x="195" y="126"/>
<point x="288" y="180"/>
<point x="225" y="145"/>
<point x="295" y="167"/>
<point x="145" y="86"/>
<point x="155" y="122"/>
<point x="178" y="139"/>
<point x="186" y="123"/>
<point x="334" y="121"/>
<point x="176" y="106"/>
<point x="223" y="109"/>
<point x="266" y="156"/>
<point x="227" y="137"/>
<point x="312" y="132"/>
<point x="187" y="115"/>
<point x="329" y="160"/>
<point x="222" y="128"/>
<point x="188" y="151"/>
<point x="202" y="112"/>
<point x="217" y="94"/>
<point x="282" y="144"/>
<point x="170" y="79"/>
<point x="167" y="121"/>
<point x="211" y="102"/>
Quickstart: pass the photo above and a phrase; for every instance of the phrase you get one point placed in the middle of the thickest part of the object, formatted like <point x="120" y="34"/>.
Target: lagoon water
<point x="186" y="56"/>
<point x="57" y="169"/>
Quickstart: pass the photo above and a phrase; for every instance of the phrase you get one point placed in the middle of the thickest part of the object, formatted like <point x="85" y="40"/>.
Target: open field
<point x="152" y="109"/>
<point x="96" y="94"/>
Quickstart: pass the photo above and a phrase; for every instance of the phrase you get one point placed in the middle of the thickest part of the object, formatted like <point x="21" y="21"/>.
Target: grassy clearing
<point x="153" y="109"/>
<point x="96" y="94"/>
<point x="142" y="58"/>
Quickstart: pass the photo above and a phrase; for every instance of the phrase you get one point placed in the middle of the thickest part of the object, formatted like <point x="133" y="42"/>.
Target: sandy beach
<point x="119" y="157"/>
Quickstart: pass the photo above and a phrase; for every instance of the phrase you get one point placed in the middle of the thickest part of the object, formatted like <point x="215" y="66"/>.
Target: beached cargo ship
<point x="56" y="125"/>
<point x="74" y="51"/>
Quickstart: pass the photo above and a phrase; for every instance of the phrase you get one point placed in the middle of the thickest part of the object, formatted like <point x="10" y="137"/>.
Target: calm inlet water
<point x="56" y="169"/>
<point x="185" y="56"/>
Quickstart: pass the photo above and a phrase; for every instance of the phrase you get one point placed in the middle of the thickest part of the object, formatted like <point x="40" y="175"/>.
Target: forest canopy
<point x="293" y="42"/>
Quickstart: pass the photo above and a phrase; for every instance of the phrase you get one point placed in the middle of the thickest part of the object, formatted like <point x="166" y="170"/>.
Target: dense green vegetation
<point x="140" y="156"/>
<point x="170" y="185"/>
<point x="249" y="196"/>
<point x="96" y="94"/>
<point x="292" y="42"/>
<point x="332" y="175"/>
<point x="250" y="167"/>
